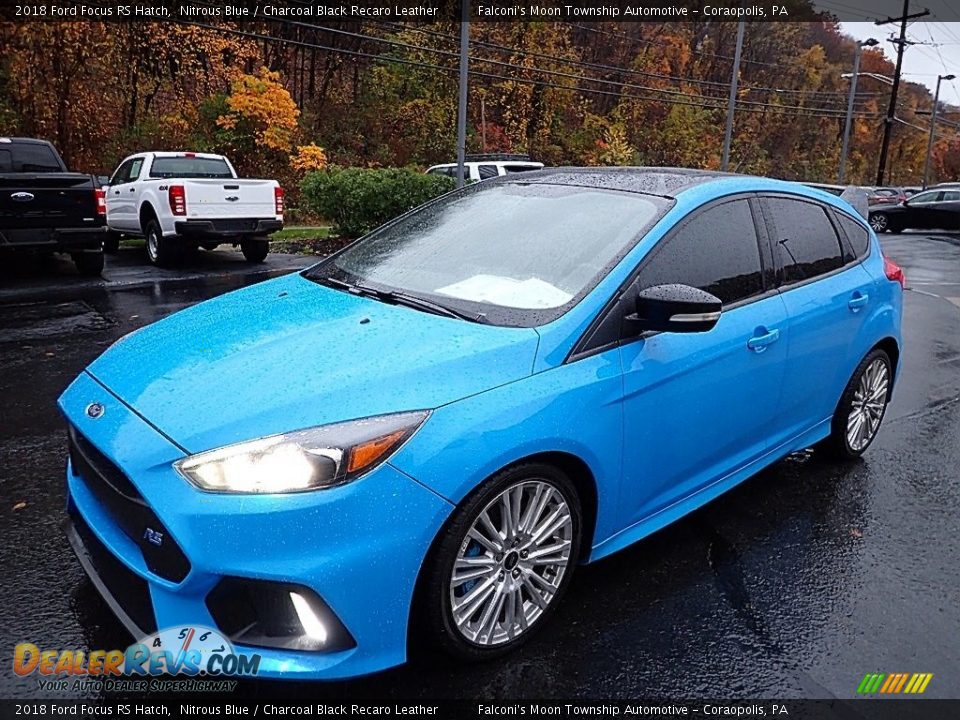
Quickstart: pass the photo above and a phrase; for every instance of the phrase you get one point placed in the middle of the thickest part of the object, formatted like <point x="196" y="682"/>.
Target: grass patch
<point x="302" y="233"/>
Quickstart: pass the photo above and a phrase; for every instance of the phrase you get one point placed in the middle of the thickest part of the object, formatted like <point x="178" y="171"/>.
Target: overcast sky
<point x="937" y="51"/>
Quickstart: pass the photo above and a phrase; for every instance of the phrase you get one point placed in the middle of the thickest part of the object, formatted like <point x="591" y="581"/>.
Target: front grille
<point x="128" y="509"/>
<point x="240" y="225"/>
<point x="116" y="581"/>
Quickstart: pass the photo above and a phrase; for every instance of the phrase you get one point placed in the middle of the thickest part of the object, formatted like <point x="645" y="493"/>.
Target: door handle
<point x="858" y="300"/>
<point x="116" y="192"/>
<point x="759" y="342"/>
<point x="133" y="189"/>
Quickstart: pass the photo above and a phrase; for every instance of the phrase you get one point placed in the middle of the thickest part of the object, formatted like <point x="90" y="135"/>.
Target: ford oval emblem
<point x="22" y="197"/>
<point x="95" y="410"/>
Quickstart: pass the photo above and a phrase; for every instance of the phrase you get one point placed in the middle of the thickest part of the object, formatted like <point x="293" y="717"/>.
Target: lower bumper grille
<point x="127" y="594"/>
<point x="128" y="509"/>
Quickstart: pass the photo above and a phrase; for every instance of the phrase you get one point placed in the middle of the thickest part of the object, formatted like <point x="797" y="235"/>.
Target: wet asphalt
<point x="795" y="584"/>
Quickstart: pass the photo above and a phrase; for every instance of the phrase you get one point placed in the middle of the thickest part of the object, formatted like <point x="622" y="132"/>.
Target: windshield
<point x="186" y="167"/>
<point x="516" y="254"/>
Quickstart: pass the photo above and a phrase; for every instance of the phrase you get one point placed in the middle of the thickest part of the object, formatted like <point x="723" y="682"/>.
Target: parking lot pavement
<point x="26" y="277"/>
<point x="795" y="584"/>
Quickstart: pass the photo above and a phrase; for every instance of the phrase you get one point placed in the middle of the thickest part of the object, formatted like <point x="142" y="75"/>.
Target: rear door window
<point x="716" y="251"/>
<point x="805" y="244"/>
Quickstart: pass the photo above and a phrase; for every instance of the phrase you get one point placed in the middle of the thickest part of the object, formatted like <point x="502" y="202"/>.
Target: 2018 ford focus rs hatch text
<point x="441" y="421"/>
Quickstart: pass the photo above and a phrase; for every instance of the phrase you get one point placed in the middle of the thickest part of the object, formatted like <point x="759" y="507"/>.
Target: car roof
<point x="689" y="185"/>
<point x="489" y="162"/>
<point x="32" y="141"/>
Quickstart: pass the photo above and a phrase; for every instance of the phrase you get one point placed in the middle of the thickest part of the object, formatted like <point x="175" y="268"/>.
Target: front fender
<point x="574" y="409"/>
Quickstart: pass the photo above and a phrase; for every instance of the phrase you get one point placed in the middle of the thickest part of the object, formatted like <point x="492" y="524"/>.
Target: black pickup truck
<point x="46" y="208"/>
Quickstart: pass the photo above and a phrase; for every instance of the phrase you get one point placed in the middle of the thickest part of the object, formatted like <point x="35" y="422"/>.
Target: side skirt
<point x="701" y="497"/>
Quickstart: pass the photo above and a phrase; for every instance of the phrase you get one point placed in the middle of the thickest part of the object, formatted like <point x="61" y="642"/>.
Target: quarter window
<point x="805" y="243"/>
<point x="857" y="235"/>
<point x="715" y="251"/>
<point x="487" y="171"/>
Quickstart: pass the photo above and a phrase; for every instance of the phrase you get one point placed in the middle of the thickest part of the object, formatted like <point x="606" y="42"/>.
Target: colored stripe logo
<point x="894" y="683"/>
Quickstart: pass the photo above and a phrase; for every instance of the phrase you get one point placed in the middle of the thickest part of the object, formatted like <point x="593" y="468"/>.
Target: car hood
<point x="288" y="354"/>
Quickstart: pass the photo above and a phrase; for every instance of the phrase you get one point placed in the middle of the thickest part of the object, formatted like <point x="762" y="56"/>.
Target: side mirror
<point x="675" y="308"/>
<point x="104" y="180"/>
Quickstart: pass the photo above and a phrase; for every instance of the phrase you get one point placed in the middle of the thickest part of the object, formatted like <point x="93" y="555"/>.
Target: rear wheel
<point x="88" y="263"/>
<point x="160" y="250"/>
<point x="111" y="243"/>
<point x="209" y="245"/>
<point x="504" y="562"/>
<point x="255" y="250"/>
<point x="861" y="408"/>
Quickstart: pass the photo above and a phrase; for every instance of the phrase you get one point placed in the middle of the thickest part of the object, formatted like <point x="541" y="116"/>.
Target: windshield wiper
<point x="396" y="297"/>
<point x="418" y="303"/>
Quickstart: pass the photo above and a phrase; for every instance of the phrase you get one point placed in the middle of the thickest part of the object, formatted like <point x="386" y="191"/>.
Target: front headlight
<point x="311" y="459"/>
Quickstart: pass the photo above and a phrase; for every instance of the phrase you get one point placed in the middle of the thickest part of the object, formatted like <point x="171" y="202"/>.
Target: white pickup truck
<point x="179" y="201"/>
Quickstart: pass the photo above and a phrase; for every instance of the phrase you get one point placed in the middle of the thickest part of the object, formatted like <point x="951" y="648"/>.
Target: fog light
<point x="259" y="613"/>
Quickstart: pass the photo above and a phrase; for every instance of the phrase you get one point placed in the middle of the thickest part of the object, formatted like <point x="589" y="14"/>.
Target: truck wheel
<point x="209" y="246"/>
<point x="255" y="249"/>
<point x="111" y="242"/>
<point x="88" y="263"/>
<point x="161" y="251"/>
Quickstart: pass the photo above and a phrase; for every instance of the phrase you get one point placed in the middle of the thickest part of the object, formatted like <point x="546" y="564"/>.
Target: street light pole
<point x="933" y="127"/>
<point x="462" y="107"/>
<point x="731" y="105"/>
<point x="870" y="42"/>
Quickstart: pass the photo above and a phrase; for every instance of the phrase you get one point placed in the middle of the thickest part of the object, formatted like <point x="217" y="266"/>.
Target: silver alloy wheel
<point x="153" y="244"/>
<point x="869" y="403"/>
<point x="878" y="222"/>
<point x="511" y="563"/>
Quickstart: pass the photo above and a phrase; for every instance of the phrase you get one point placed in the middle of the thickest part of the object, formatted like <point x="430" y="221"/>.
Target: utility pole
<point x="483" y="121"/>
<point x="462" y="109"/>
<point x="731" y="104"/>
<point x="901" y="44"/>
<point x="933" y="127"/>
<point x="870" y="42"/>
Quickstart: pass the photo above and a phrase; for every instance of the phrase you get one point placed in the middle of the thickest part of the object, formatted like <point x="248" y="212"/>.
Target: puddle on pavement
<point x="37" y="321"/>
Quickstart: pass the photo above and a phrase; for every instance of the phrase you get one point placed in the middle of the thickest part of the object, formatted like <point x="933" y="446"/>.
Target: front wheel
<point x="504" y="561"/>
<point x="861" y="408"/>
<point x="879" y="222"/>
<point x="255" y="249"/>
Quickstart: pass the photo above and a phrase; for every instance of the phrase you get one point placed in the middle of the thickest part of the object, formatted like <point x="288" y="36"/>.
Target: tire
<point x="209" y="246"/>
<point x="89" y="264"/>
<point x="503" y="563"/>
<point x="111" y="242"/>
<point x="880" y="222"/>
<point x="255" y="250"/>
<point x="161" y="251"/>
<point x="873" y="376"/>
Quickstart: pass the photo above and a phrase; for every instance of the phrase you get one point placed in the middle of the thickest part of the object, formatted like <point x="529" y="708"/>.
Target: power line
<point x="545" y="71"/>
<point x="689" y="100"/>
<point x="612" y="68"/>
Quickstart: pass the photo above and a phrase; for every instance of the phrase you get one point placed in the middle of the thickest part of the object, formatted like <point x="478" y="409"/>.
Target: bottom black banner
<point x="892" y="709"/>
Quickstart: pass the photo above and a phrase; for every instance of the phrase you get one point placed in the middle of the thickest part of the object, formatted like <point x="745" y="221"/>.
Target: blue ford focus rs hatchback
<point x="433" y="427"/>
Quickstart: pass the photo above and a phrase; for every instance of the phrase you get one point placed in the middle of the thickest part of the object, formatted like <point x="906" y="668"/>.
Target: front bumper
<point x="359" y="547"/>
<point x="228" y="228"/>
